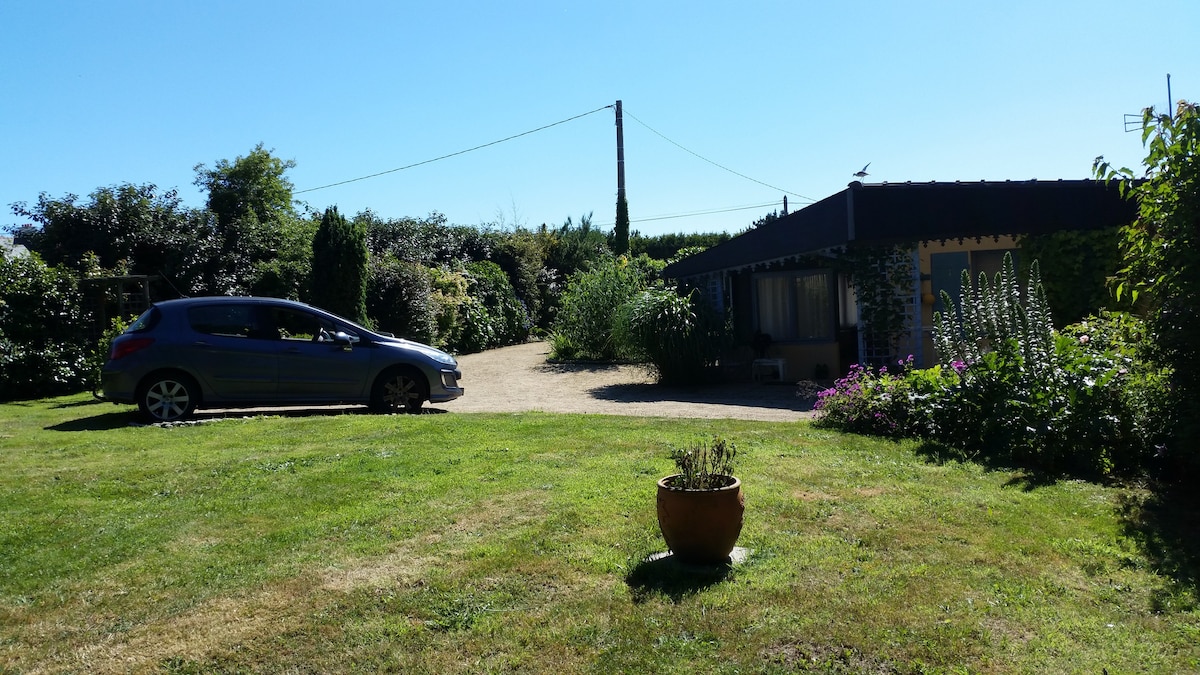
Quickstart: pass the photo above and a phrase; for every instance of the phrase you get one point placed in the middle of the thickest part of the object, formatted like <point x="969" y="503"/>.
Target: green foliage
<point x="704" y="465"/>
<point x="135" y="229"/>
<point x="1012" y="390"/>
<point x="1076" y="266"/>
<point x="884" y="284"/>
<point x="573" y="248"/>
<point x="670" y="246"/>
<point x="448" y="298"/>
<point x="430" y="241"/>
<point x="492" y="316"/>
<point x="255" y="184"/>
<point x="1162" y="260"/>
<point x="98" y="355"/>
<point x="521" y="254"/>
<point x="620" y="238"/>
<point x="250" y="199"/>
<point x="400" y="299"/>
<point x="584" y="326"/>
<point x="289" y="273"/>
<point x="43" y="345"/>
<point x="339" y="266"/>
<point x="678" y="335"/>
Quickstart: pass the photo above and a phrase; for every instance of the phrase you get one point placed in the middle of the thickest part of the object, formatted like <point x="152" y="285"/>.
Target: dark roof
<point x="895" y="213"/>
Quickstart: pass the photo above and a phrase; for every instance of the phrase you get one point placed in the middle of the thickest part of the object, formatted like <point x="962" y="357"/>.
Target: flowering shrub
<point x="1012" y="389"/>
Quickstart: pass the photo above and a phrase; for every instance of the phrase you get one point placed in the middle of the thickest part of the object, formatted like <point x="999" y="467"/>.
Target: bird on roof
<point x="862" y="173"/>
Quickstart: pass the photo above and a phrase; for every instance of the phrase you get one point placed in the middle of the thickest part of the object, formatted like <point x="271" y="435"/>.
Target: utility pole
<point x="620" y="155"/>
<point x="621" y="230"/>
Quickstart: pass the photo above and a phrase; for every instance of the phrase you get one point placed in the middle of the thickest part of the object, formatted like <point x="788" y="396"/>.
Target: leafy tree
<point x="339" y="266"/>
<point x="136" y="229"/>
<point x="289" y="273"/>
<point x="254" y="184"/>
<point x="250" y="199"/>
<point x="493" y="316"/>
<point x="1162" y="257"/>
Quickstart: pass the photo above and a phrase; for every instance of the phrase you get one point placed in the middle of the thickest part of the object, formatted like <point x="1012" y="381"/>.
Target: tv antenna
<point x="1134" y="122"/>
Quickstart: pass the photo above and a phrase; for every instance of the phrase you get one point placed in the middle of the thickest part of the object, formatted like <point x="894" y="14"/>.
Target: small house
<point x="856" y="277"/>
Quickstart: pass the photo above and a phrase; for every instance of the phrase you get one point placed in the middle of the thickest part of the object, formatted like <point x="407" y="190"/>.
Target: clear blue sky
<point x="796" y="95"/>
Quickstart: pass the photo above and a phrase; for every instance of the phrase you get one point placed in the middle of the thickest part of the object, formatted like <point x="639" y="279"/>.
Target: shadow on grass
<point x="1165" y="524"/>
<point x="1164" y="521"/>
<point x="126" y="418"/>
<point x="666" y="575"/>
<point x="103" y="422"/>
<point x="1025" y="478"/>
<point x="751" y="395"/>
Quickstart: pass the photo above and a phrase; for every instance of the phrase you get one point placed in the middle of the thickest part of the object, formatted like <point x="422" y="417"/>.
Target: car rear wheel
<point x="168" y="397"/>
<point x="399" y="389"/>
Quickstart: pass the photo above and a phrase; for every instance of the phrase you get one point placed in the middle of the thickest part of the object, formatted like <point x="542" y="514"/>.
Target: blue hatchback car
<point x="180" y="355"/>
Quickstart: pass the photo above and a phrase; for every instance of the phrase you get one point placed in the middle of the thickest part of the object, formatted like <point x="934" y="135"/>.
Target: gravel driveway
<point x="518" y="379"/>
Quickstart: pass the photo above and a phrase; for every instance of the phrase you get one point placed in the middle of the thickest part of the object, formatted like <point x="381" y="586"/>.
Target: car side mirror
<point x="344" y="338"/>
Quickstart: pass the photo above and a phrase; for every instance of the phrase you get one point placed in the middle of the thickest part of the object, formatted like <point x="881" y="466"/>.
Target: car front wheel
<point x="168" y="398"/>
<point x="399" y="389"/>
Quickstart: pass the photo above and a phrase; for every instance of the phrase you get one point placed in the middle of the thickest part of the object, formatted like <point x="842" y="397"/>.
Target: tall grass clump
<point x="583" y="328"/>
<point x="678" y="336"/>
<point x="1010" y="388"/>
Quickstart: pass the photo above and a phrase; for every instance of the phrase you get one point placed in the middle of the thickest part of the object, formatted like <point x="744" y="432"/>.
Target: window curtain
<point x="774" y="307"/>
<point x="814" y="307"/>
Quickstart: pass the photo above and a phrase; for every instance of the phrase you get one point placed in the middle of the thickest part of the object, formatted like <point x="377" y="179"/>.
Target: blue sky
<point x="794" y="95"/>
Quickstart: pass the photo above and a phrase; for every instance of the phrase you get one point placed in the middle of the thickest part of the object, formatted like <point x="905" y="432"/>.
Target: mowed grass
<point x="454" y="543"/>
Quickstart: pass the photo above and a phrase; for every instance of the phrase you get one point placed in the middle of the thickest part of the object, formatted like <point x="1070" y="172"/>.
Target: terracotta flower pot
<point x="700" y="526"/>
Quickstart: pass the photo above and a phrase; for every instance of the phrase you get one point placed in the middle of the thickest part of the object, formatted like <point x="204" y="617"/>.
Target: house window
<point x="946" y="270"/>
<point x="796" y="305"/>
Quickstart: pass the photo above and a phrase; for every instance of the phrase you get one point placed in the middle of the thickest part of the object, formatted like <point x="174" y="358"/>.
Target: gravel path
<point x="518" y="379"/>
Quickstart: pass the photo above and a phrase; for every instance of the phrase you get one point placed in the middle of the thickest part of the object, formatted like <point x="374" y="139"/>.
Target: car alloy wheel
<point x="167" y="399"/>
<point x="399" y="389"/>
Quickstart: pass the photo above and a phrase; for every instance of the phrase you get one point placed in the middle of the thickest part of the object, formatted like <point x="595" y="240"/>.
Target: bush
<point x="677" y="335"/>
<point x="399" y="299"/>
<point x="43" y="345"/>
<point x="583" y="328"/>
<point x="492" y="316"/>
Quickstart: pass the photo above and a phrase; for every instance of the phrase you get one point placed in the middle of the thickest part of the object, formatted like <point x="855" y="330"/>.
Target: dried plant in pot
<point x="700" y="508"/>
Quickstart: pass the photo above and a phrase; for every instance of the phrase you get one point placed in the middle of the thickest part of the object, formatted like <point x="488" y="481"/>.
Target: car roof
<point x="226" y="299"/>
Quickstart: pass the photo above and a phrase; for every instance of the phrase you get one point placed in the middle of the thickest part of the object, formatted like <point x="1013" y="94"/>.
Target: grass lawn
<point x="448" y="543"/>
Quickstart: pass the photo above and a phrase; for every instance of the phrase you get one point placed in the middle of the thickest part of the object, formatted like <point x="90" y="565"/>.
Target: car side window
<point x="225" y="320"/>
<point x="295" y="324"/>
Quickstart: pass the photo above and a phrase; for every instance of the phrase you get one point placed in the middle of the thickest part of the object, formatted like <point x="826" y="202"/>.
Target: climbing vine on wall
<point x="885" y="286"/>
<point x="1076" y="266"/>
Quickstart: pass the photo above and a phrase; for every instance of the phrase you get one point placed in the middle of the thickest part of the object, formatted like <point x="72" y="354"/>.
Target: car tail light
<point x="123" y="348"/>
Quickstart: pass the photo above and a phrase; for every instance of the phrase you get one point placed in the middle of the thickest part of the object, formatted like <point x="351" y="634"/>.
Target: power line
<point x="719" y="166"/>
<point x="692" y="214"/>
<point x="455" y="154"/>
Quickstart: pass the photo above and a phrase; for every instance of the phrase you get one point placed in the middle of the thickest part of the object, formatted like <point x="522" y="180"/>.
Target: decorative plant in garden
<point x="701" y="506"/>
<point x="1012" y="389"/>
